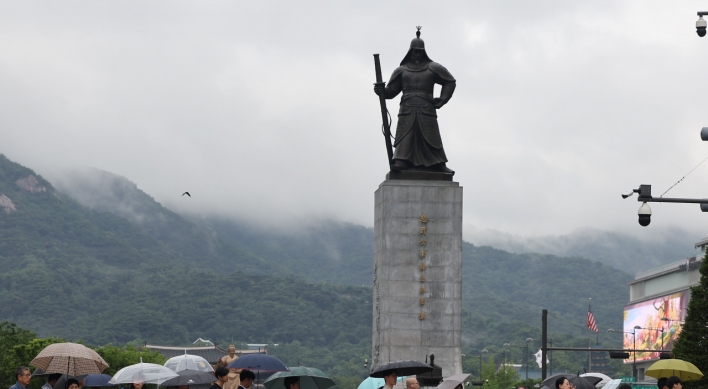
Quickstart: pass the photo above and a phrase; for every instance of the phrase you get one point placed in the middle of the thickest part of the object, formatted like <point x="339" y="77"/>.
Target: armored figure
<point x="418" y="143"/>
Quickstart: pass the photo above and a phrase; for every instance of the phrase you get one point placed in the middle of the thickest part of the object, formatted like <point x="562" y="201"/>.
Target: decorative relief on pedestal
<point x="421" y="254"/>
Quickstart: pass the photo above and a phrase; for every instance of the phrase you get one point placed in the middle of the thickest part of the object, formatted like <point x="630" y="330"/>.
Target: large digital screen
<point x="648" y="315"/>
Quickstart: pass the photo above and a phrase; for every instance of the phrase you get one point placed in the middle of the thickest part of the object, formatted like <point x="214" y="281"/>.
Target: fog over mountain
<point x="108" y="192"/>
<point x="618" y="249"/>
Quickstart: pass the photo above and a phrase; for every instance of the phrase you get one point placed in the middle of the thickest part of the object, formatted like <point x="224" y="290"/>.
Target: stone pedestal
<point x="418" y="273"/>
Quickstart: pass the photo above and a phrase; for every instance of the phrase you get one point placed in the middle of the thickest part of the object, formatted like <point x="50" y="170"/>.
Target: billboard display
<point x="648" y="315"/>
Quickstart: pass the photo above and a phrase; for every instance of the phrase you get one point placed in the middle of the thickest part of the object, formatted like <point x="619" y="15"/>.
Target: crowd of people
<point x="221" y="378"/>
<point x="672" y="382"/>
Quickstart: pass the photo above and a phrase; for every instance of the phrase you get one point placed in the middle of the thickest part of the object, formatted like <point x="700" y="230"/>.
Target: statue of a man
<point x="418" y="143"/>
<point x="233" y="373"/>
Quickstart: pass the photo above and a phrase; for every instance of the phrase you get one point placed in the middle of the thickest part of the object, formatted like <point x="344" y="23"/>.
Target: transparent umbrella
<point x="148" y="373"/>
<point x="188" y="362"/>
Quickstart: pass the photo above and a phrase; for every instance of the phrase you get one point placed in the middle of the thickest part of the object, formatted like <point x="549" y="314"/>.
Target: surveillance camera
<point x="701" y="26"/>
<point x="644" y="215"/>
<point x="627" y="194"/>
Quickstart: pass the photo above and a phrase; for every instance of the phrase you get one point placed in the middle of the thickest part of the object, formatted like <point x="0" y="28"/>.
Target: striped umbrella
<point x="69" y="358"/>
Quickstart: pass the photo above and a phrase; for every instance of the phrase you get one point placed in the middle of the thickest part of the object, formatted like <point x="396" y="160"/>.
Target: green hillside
<point x="129" y="270"/>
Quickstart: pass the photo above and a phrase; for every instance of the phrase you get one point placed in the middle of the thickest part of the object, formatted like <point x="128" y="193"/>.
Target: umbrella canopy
<point x="310" y="378"/>
<point x="69" y="358"/>
<point x="686" y="371"/>
<point x="550" y="382"/>
<point x="190" y="377"/>
<point x="189" y="362"/>
<point x="148" y="373"/>
<point x="402" y="368"/>
<point x="596" y="379"/>
<point x="582" y="383"/>
<point x="97" y="380"/>
<point x="452" y="381"/>
<point x="260" y="362"/>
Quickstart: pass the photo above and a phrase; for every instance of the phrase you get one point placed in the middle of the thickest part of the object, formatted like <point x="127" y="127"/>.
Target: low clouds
<point x="265" y="110"/>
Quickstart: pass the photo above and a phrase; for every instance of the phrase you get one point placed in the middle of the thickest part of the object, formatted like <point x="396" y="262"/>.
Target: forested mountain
<point x="123" y="268"/>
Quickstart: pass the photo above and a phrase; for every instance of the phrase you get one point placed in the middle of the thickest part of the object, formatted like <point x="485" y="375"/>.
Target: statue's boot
<point x="399" y="164"/>
<point x="441" y="167"/>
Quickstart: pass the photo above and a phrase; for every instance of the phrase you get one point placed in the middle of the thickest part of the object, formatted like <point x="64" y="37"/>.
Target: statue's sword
<point x="384" y="112"/>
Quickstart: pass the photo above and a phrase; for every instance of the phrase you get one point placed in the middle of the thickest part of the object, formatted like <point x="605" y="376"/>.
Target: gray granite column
<point x="418" y="294"/>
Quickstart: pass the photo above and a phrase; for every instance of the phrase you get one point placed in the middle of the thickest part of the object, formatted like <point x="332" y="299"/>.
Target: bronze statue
<point x="234" y="381"/>
<point x="418" y="143"/>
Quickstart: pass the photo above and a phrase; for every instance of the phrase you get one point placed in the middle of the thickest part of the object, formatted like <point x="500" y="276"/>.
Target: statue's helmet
<point x="232" y="348"/>
<point x="416" y="44"/>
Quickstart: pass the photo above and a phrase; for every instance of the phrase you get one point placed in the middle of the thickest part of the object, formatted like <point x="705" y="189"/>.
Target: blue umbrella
<point x="260" y="362"/>
<point x="97" y="380"/>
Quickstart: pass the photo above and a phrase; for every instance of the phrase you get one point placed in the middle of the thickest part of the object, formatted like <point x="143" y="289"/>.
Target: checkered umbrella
<point x="69" y="358"/>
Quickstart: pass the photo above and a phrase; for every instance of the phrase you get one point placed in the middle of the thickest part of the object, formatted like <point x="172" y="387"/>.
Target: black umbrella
<point x="550" y="382"/>
<point x="190" y="377"/>
<point x="581" y="383"/>
<point x="402" y="368"/>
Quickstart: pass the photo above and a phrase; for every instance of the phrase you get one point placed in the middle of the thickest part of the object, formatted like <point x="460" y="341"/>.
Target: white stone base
<point x="398" y="331"/>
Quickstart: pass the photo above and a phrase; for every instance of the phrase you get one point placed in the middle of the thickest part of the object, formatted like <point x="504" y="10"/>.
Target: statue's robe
<point x="418" y="138"/>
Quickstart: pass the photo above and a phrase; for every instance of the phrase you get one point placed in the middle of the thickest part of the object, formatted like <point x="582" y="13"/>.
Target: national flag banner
<point x="539" y="358"/>
<point x="592" y="326"/>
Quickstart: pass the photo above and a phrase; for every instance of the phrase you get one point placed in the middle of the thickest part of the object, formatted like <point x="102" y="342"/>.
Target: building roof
<point x="210" y="353"/>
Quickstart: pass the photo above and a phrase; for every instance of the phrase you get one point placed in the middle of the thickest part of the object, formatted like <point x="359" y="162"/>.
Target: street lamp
<point x="480" y="363"/>
<point x="526" y="351"/>
<point x="634" y="347"/>
<point x="526" y="357"/>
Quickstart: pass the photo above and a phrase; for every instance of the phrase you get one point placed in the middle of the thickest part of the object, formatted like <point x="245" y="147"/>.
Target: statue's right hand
<point x="379" y="88"/>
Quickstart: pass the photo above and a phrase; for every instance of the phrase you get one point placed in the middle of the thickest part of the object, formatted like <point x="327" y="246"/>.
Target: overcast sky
<point x="265" y="109"/>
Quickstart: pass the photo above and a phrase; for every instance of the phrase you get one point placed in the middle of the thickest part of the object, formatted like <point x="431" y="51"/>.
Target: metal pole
<point x="526" y="351"/>
<point x="551" y="359"/>
<point x="544" y="339"/>
<point x="634" y="355"/>
<point x="480" y="366"/>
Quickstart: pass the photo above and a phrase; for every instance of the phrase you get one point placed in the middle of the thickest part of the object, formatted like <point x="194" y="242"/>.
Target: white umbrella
<point x="148" y="373"/>
<point x="188" y="362"/>
<point x="452" y="381"/>
<point x="605" y="378"/>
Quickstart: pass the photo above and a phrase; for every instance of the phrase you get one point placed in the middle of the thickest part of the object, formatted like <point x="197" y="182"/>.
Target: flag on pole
<point x="592" y="326"/>
<point x="539" y="359"/>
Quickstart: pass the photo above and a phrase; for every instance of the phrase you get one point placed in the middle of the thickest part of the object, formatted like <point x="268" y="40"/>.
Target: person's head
<point x="661" y="382"/>
<point x="562" y="383"/>
<point x="23" y="376"/>
<point x="673" y="382"/>
<point x="53" y="378"/>
<point x="222" y="374"/>
<point x="390" y="378"/>
<point x="412" y="383"/>
<point x="459" y="386"/>
<point x="246" y="376"/>
<point x="625" y="386"/>
<point x="72" y="383"/>
<point x="292" y="382"/>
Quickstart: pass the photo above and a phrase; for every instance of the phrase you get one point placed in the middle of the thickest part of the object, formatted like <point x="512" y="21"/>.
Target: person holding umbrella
<point x="23" y="377"/>
<point x="51" y="380"/>
<point x="390" y="379"/>
<point x="673" y="382"/>
<point x="246" y="377"/>
<point x="292" y="382"/>
<point x="222" y="377"/>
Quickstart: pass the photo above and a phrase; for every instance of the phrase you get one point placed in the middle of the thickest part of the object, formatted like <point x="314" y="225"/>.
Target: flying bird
<point x="186" y="193"/>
